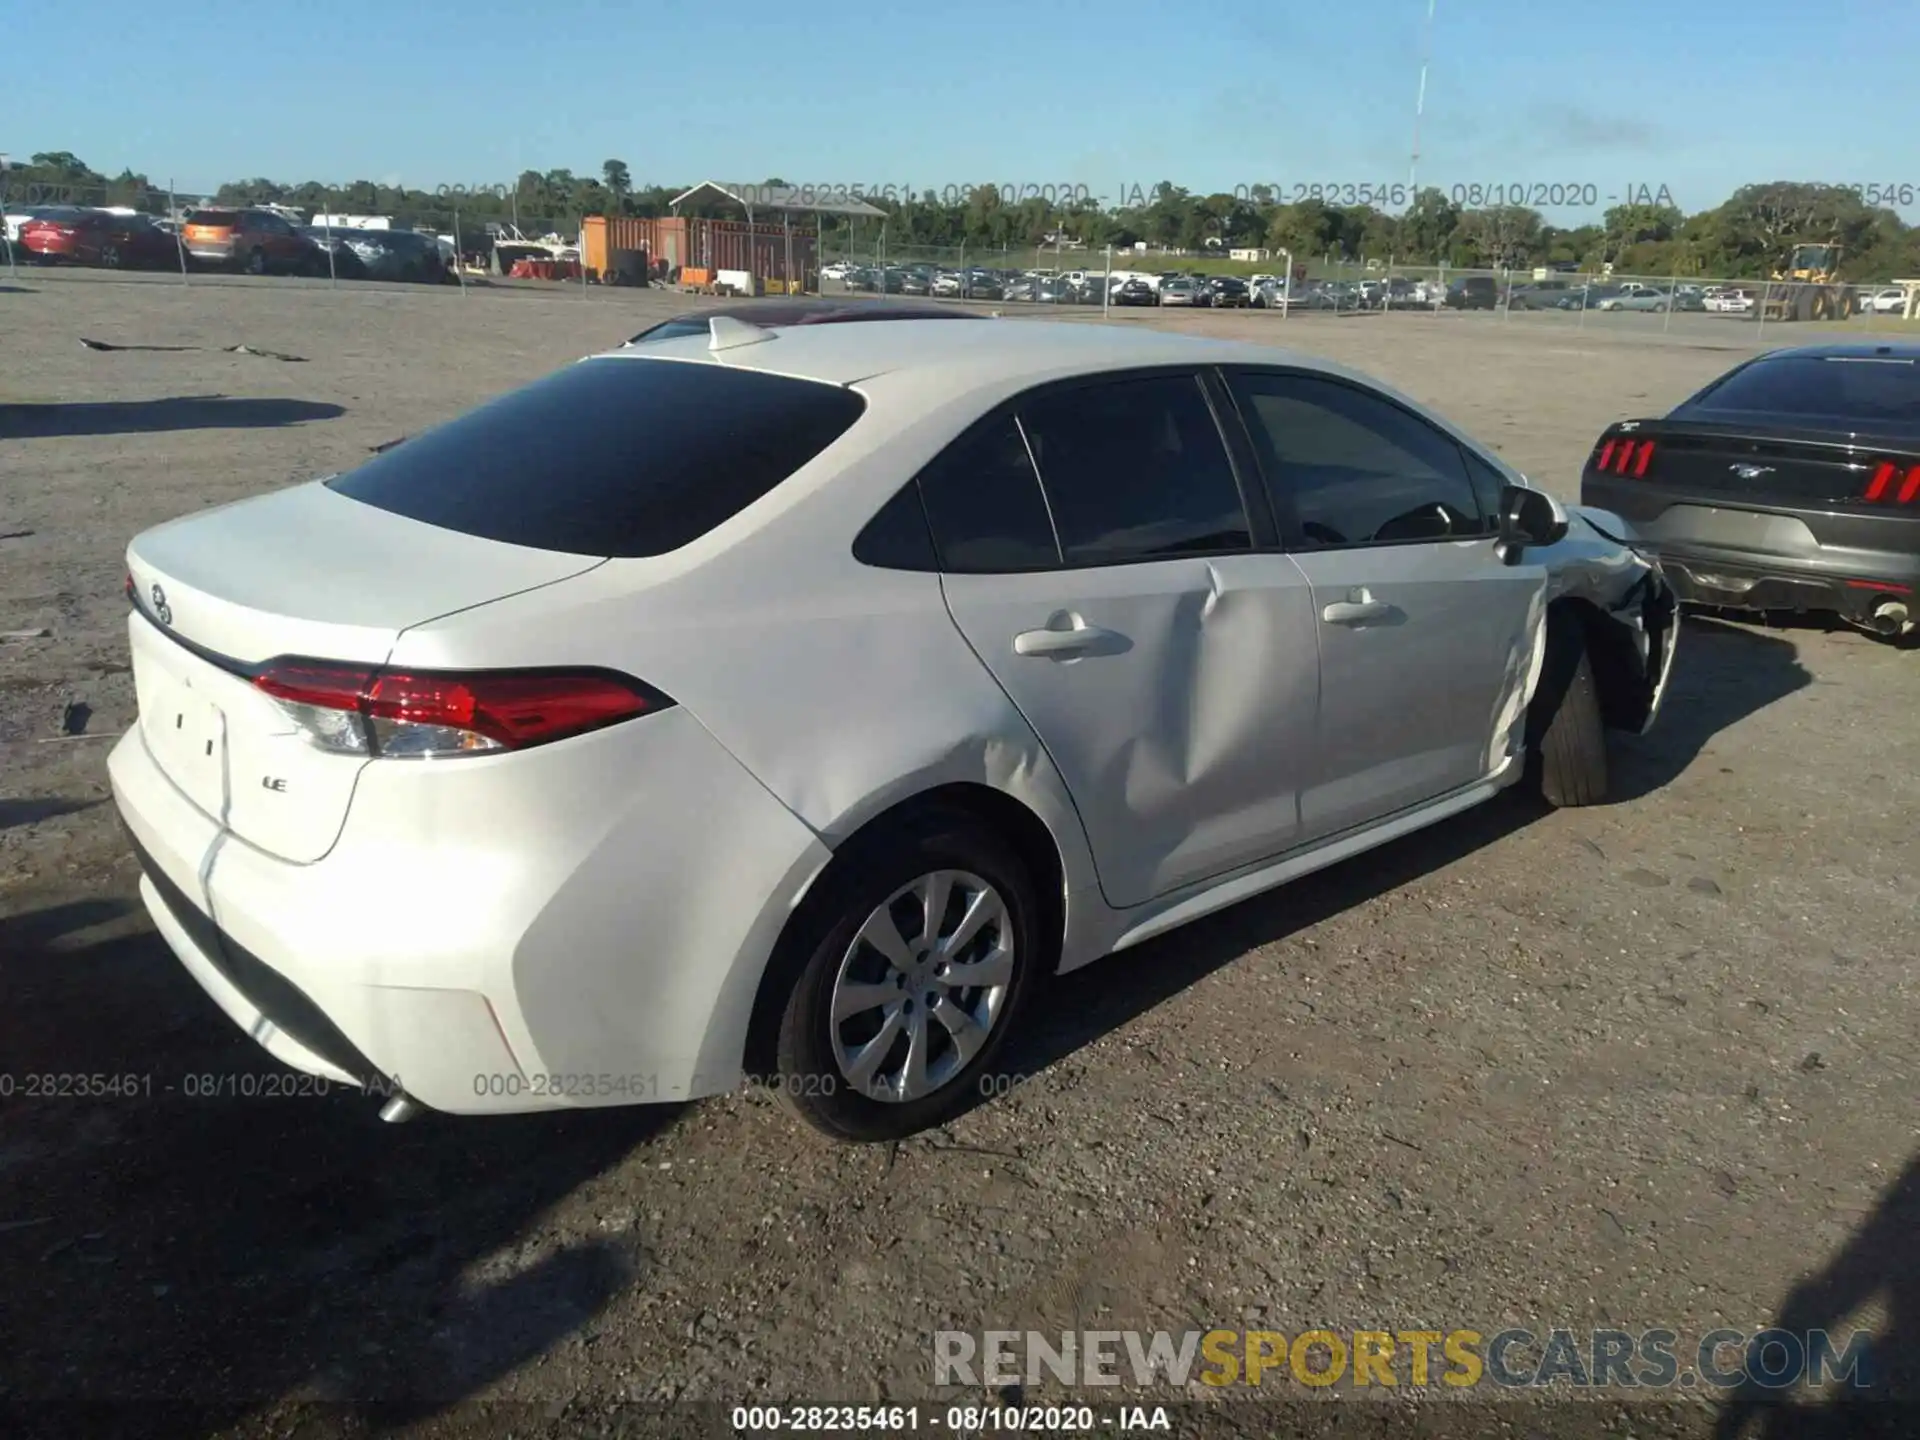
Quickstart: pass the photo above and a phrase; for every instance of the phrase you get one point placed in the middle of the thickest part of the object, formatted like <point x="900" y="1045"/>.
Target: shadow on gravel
<point x="1103" y="997"/>
<point x="26" y="812"/>
<point x="1880" y="1263"/>
<point x="1722" y="674"/>
<point x="142" y="417"/>
<point x="220" y="1234"/>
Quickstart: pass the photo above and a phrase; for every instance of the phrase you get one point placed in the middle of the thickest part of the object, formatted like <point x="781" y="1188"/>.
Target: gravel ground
<point x="1648" y="1064"/>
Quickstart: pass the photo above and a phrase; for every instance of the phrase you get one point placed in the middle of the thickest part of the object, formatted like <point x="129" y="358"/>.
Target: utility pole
<point x="1420" y="106"/>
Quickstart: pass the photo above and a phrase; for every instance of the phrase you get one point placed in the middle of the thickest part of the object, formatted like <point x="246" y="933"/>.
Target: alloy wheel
<point x="921" y="986"/>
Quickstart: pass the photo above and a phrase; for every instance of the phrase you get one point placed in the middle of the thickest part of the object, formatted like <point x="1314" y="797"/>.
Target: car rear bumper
<point x="484" y="946"/>
<point x="1753" y="582"/>
<point x="1773" y="558"/>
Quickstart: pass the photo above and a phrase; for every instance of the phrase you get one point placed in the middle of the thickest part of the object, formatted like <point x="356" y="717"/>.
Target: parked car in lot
<point x="99" y="237"/>
<point x="1229" y="292"/>
<point x="257" y="241"/>
<point x="1728" y="302"/>
<point x="345" y="262"/>
<point x="1135" y="292"/>
<point x="1642" y="299"/>
<point x="399" y="255"/>
<point x="1889" y="300"/>
<point x="1791" y="483"/>
<point x="15" y="216"/>
<point x="1473" y="292"/>
<point x="1542" y="295"/>
<point x="792" y="702"/>
<point x="1180" y="291"/>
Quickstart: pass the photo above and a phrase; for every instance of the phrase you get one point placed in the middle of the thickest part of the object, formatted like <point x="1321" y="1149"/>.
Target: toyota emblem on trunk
<point x="1751" y="472"/>
<point x="162" y="611"/>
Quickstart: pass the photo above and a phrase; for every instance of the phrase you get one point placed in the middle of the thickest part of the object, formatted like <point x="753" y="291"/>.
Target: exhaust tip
<point x="1890" y="617"/>
<point x="400" y="1109"/>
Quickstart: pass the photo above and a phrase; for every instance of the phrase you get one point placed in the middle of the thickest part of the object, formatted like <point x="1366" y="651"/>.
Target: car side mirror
<point x="1527" y="517"/>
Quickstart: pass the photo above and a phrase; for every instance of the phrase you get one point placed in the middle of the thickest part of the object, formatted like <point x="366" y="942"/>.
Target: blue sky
<point x="1699" y="98"/>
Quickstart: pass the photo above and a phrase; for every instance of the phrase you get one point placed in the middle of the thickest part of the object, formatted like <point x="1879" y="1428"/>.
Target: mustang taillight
<point x="1624" y="457"/>
<point x="1881" y="486"/>
<point x="352" y="709"/>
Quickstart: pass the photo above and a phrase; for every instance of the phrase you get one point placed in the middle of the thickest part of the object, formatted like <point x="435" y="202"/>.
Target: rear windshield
<point x="213" y="217"/>
<point x="1869" y="392"/>
<point x="621" y="457"/>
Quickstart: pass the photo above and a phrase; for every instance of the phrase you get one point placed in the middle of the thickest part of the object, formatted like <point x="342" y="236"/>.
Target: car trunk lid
<point x="300" y="572"/>
<point x="1756" y="467"/>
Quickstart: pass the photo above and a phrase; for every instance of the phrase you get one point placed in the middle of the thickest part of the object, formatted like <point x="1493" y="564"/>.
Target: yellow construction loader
<point x="1807" y="287"/>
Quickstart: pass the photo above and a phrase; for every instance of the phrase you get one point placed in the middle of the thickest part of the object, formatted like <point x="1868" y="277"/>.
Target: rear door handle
<point x="1062" y="642"/>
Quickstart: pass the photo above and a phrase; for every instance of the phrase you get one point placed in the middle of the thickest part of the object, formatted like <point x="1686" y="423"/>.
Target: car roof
<point x="818" y="312"/>
<point x="1850" y="350"/>
<point x="960" y="358"/>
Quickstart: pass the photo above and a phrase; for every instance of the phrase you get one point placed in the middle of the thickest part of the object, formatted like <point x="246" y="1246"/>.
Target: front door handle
<point x="1357" y="609"/>
<point x="1355" y="612"/>
<point x="1078" y="641"/>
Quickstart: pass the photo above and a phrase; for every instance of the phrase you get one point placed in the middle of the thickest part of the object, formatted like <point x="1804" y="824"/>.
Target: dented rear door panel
<point x="1185" y="731"/>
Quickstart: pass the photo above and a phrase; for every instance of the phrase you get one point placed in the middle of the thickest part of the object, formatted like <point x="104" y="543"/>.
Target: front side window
<point x="1352" y="468"/>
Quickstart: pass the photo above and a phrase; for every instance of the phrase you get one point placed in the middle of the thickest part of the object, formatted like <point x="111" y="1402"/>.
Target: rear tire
<point x="256" y="261"/>
<point x="1567" y="738"/>
<point x="814" y="1053"/>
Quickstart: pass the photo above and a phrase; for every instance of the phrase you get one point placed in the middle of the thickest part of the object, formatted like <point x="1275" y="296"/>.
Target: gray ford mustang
<point x="1790" y="483"/>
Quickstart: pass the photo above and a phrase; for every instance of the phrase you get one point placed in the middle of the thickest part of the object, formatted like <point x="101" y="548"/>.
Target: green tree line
<point x="1745" y="236"/>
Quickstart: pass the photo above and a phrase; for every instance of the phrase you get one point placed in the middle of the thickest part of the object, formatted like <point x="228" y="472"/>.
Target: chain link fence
<point x="363" y="231"/>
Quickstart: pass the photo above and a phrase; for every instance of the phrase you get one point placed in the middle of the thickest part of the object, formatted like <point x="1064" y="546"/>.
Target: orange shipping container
<point x="768" y="250"/>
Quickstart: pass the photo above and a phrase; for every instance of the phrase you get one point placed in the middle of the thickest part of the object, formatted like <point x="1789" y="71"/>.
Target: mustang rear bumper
<point x="1855" y="587"/>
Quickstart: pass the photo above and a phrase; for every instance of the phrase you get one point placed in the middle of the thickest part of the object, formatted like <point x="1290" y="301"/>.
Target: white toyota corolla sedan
<point x="782" y="703"/>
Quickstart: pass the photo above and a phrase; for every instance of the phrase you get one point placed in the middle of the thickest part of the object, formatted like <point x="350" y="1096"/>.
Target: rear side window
<point x="213" y="217"/>
<point x="1135" y="470"/>
<point x="1872" y="391"/>
<point x="984" y="504"/>
<point x="610" y="457"/>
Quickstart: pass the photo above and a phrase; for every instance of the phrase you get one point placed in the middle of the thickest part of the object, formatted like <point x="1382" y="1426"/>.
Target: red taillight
<point x="330" y="687"/>
<point x="129" y="586"/>
<point x="402" y="713"/>
<point x="512" y="710"/>
<point x="1883" y="477"/>
<point x="1629" y="457"/>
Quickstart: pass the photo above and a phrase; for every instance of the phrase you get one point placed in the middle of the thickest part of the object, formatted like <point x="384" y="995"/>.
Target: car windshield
<point x="213" y="217"/>
<point x="1869" y="392"/>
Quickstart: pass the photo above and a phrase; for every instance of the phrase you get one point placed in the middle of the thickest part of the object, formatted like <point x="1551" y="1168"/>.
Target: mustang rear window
<point x="623" y="457"/>
<point x="1872" y="392"/>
